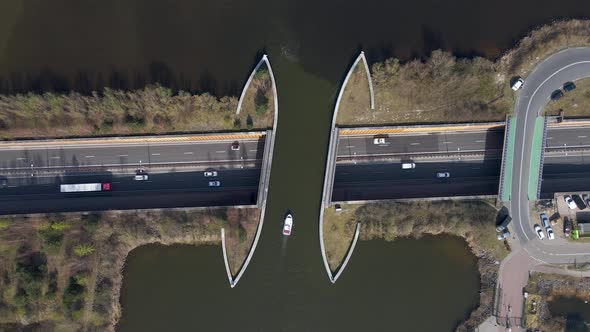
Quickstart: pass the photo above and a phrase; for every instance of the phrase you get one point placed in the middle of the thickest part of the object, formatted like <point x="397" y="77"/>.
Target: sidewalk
<point x="513" y="277"/>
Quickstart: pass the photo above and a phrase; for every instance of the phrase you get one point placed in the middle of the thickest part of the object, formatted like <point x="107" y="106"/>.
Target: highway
<point x="422" y="143"/>
<point x="568" y="136"/>
<point x="163" y="190"/>
<point x="568" y="65"/>
<point x="389" y="181"/>
<point x="120" y="153"/>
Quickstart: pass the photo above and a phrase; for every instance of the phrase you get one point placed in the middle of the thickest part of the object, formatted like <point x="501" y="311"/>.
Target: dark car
<point x="569" y="86"/>
<point x="567" y="226"/>
<point x="579" y="202"/>
<point x="556" y="95"/>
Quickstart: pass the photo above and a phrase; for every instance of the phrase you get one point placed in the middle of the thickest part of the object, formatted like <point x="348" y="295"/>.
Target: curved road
<point x="569" y="65"/>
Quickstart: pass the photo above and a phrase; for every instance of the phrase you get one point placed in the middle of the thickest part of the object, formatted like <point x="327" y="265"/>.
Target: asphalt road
<point x="568" y="137"/>
<point x="389" y="181"/>
<point x="568" y="65"/>
<point x="122" y="154"/>
<point x="422" y="143"/>
<point x="167" y="190"/>
<point x="565" y="172"/>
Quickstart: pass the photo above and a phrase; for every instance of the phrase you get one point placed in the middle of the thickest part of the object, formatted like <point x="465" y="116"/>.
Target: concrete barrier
<point x="267" y="163"/>
<point x="331" y="165"/>
<point x="349" y="253"/>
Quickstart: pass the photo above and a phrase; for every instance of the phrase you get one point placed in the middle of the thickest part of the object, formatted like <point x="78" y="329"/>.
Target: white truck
<point x="84" y="187"/>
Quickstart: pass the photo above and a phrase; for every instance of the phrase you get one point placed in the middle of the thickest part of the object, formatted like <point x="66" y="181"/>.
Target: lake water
<point x="409" y="285"/>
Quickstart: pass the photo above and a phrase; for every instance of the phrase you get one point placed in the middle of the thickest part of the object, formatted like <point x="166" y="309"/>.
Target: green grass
<point x="258" y="104"/>
<point x="339" y="230"/>
<point x="355" y="104"/>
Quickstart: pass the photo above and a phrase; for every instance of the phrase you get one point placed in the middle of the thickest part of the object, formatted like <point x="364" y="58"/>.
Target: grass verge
<point x="239" y="235"/>
<point x="258" y="104"/>
<point x="475" y="221"/>
<point x="63" y="272"/>
<point x="574" y="104"/>
<point x="355" y="104"/>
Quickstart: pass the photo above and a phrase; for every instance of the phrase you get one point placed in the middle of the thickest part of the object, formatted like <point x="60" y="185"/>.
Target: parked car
<point x="235" y="146"/>
<point x="545" y="220"/>
<point x="579" y="202"/>
<point x="209" y="174"/>
<point x="379" y="140"/>
<point x="214" y="184"/>
<point x="503" y="235"/>
<point x="570" y="202"/>
<point x="555" y="95"/>
<point x="539" y="232"/>
<point x="517" y="84"/>
<point x="567" y="226"/>
<point x="442" y="175"/>
<point x="504" y="223"/>
<point x="568" y="86"/>
<point x="550" y="234"/>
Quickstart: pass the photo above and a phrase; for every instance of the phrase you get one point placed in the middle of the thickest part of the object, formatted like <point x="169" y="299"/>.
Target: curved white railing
<point x="329" y="167"/>
<point x="233" y="281"/>
<point x="248" y="83"/>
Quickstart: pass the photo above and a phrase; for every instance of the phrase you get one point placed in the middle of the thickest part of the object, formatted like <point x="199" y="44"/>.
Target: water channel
<point x="409" y="285"/>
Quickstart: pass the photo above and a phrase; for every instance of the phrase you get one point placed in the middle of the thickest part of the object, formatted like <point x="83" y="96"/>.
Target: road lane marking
<point x="253" y="150"/>
<point x="123" y="155"/>
<point x="220" y="151"/>
<point x="350" y="146"/>
<point x="481" y="141"/>
<point x="89" y="156"/>
<point x="188" y="153"/>
<point x="447" y="142"/>
<point x="155" y="154"/>
<point x="582" y="136"/>
<point x="414" y="143"/>
<point x="55" y="157"/>
<point x="549" y="137"/>
<point x="20" y="158"/>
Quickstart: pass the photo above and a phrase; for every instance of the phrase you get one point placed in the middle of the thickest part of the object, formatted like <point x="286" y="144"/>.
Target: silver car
<point x="443" y="175"/>
<point x="214" y="184"/>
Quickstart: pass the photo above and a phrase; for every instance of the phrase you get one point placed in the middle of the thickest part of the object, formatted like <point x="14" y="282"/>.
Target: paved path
<point x="568" y="65"/>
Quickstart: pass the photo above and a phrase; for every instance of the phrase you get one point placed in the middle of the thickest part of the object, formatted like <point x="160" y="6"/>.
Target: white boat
<point x="288" y="224"/>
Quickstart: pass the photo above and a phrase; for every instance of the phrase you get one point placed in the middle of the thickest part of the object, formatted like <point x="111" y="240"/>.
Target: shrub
<point x="84" y="249"/>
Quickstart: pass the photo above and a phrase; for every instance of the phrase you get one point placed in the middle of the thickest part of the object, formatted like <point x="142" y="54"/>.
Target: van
<point x="408" y="165"/>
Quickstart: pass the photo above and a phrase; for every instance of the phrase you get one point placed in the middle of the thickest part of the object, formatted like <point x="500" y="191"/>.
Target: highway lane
<point x="180" y="189"/>
<point x="427" y="142"/>
<point x="565" y="173"/>
<point x="120" y="154"/>
<point x="568" y="65"/>
<point x="568" y="136"/>
<point x="388" y="181"/>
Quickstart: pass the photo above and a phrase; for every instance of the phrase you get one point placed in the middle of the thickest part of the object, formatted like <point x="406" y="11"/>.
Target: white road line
<point x="20" y="158"/>
<point x="123" y="155"/>
<point x="253" y="150"/>
<point x="447" y="142"/>
<point x="414" y="143"/>
<point x="155" y="154"/>
<point x="55" y="157"/>
<point x="220" y="151"/>
<point x="479" y="141"/>
<point x="188" y="153"/>
<point x="582" y="136"/>
<point x="549" y="137"/>
<point x="350" y="146"/>
<point x="89" y="156"/>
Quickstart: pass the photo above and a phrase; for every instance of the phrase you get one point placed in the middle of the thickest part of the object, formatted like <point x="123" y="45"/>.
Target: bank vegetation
<point x="446" y="89"/>
<point x="63" y="272"/>
<point x="151" y="110"/>
<point x="475" y="221"/>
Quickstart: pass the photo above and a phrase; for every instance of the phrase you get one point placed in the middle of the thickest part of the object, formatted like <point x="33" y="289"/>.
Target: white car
<point x="288" y="225"/>
<point x="539" y="231"/>
<point x="379" y="140"/>
<point x="550" y="233"/>
<point x="214" y="184"/>
<point x="570" y="202"/>
<point x="209" y="174"/>
<point x="140" y="177"/>
<point x="517" y="84"/>
<point x="442" y="175"/>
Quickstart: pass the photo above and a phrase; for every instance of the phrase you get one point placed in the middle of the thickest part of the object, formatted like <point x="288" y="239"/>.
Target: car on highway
<point x="579" y="202"/>
<point x="517" y="84"/>
<point x="570" y="202"/>
<point x="568" y="86"/>
<point x="442" y="175"/>
<point x="555" y="95"/>
<point x="214" y="184"/>
<point x="379" y="140"/>
<point x="209" y="174"/>
<point x="408" y="165"/>
<point x="140" y="177"/>
<point x="539" y="232"/>
<point x="235" y="146"/>
<point x="544" y="220"/>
